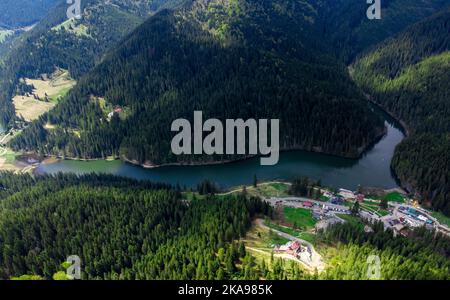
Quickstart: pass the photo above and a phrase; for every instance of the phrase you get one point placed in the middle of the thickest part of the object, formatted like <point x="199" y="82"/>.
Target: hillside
<point x="409" y="75"/>
<point x="19" y="13"/>
<point x="345" y="24"/>
<point x="232" y="59"/>
<point x="74" y="45"/>
<point x="121" y="229"/>
<point x="125" y="229"/>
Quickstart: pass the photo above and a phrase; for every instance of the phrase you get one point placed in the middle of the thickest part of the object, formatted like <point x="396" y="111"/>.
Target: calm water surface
<point x="373" y="169"/>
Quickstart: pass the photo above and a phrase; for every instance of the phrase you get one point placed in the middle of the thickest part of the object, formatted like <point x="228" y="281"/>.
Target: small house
<point x="308" y="204"/>
<point x="360" y="198"/>
<point x="291" y="247"/>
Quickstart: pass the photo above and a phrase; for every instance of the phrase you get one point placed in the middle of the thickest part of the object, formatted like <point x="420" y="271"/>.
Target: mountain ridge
<point x="168" y="67"/>
<point x="409" y="74"/>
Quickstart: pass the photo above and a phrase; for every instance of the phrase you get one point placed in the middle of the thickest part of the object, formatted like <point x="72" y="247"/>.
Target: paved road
<point x="334" y="208"/>
<point x="437" y="226"/>
<point x="341" y="209"/>
<point x="259" y="184"/>
<point x="298" y="202"/>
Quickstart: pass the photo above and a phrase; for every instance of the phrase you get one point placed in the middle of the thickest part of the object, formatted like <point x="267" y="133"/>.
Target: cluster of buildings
<point x="351" y="196"/>
<point x="416" y="218"/>
<point x="320" y="211"/>
<point x="294" y="248"/>
<point x="343" y="195"/>
<point x="408" y="217"/>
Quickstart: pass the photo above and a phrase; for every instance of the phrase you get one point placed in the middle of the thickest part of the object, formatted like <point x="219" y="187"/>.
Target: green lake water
<point x="372" y="169"/>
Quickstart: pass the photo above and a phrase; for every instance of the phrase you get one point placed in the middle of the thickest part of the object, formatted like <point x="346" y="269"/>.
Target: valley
<point x="372" y="169"/>
<point x="90" y="111"/>
<point x="282" y="239"/>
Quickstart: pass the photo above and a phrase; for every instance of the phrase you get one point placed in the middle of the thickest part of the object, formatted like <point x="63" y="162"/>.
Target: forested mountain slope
<point x="18" y="16"/>
<point x="18" y="13"/>
<point x="423" y="255"/>
<point x="125" y="229"/>
<point x="345" y="24"/>
<point x="230" y="59"/>
<point x="121" y="229"/>
<point x="75" y="45"/>
<point x="409" y="75"/>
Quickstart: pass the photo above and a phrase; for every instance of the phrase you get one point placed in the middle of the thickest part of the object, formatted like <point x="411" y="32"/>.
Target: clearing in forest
<point x="46" y="92"/>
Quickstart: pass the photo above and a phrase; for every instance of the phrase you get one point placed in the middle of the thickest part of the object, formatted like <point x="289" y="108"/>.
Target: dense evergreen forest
<point x="121" y="229"/>
<point x="424" y="255"/>
<point x="238" y="59"/>
<point x="76" y="47"/>
<point x="409" y="75"/>
<point x="346" y="26"/>
<point x="126" y="229"/>
<point x="288" y="44"/>
<point x="15" y="13"/>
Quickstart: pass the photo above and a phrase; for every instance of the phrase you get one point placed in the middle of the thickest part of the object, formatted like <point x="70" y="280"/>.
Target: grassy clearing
<point x="300" y="217"/>
<point x="324" y="198"/>
<point x="263" y="239"/>
<point x="298" y="223"/>
<point x="27" y="278"/>
<point x="72" y="26"/>
<point x="269" y="189"/>
<point x="395" y="197"/>
<point x="351" y="219"/>
<point x="4" y="34"/>
<point x="29" y="108"/>
<point x="275" y="239"/>
<point x="284" y="229"/>
<point x="8" y="160"/>
<point x="9" y="156"/>
<point x="307" y="236"/>
<point x="61" y="94"/>
<point x="45" y="95"/>
<point x="259" y="242"/>
<point x="443" y="219"/>
<point x="263" y="190"/>
<point x="374" y="208"/>
<point x="383" y="212"/>
<point x="369" y="207"/>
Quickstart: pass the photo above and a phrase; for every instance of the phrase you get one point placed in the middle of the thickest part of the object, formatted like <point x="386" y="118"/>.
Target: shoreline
<point x="404" y="127"/>
<point x="403" y="185"/>
<point x="49" y="159"/>
<point x="362" y="150"/>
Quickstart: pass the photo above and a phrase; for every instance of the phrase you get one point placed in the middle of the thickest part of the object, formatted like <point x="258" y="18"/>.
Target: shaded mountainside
<point x="78" y="45"/>
<point x="230" y="59"/>
<point x="409" y="75"/>
<point x="345" y="23"/>
<point x="18" y="13"/>
<point x="74" y="45"/>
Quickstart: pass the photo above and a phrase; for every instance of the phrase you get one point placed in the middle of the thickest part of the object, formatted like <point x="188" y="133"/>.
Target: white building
<point x="347" y="194"/>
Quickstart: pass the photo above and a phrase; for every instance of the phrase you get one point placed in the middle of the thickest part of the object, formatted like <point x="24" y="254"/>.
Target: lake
<point x="372" y="169"/>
